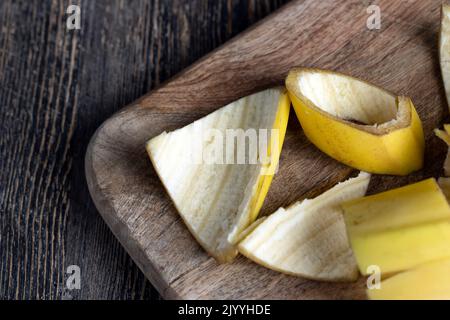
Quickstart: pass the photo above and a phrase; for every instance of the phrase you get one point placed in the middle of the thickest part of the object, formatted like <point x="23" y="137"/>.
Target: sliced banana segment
<point x="308" y="239"/>
<point x="357" y="123"/>
<point x="217" y="170"/>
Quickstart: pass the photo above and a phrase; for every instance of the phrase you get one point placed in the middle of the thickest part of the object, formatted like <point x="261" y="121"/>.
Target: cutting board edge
<point x="118" y="228"/>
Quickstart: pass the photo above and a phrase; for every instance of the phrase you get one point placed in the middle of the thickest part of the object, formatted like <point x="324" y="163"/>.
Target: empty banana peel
<point x="308" y="239"/>
<point x="444" y="49"/>
<point x="399" y="229"/>
<point x="430" y="281"/>
<point x="217" y="197"/>
<point x="357" y="123"/>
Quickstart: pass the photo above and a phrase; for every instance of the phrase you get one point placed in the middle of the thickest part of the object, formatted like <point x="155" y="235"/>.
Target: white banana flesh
<point x="309" y="238"/>
<point x="215" y="199"/>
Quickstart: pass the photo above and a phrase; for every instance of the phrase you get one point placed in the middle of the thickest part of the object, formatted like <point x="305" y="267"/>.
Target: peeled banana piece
<point x="218" y="190"/>
<point x="356" y="123"/>
<point x="308" y="239"/>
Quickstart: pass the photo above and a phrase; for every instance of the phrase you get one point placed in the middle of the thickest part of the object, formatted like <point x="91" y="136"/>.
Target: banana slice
<point x="357" y="123"/>
<point x="444" y="49"/>
<point x="308" y="239"/>
<point x="218" y="186"/>
<point x="430" y="281"/>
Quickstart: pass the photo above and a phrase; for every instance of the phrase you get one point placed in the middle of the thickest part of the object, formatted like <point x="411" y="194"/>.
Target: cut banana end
<point x="399" y="229"/>
<point x="444" y="49"/>
<point x="357" y="123"/>
<point x="218" y="169"/>
<point x="430" y="281"/>
<point x="308" y="239"/>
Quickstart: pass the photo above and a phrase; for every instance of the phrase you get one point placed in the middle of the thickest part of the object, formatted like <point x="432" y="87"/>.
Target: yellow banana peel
<point x="308" y="239"/>
<point x="218" y="200"/>
<point x="430" y="281"/>
<point x="357" y="123"/>
<point x="265" y="179"/>
<point x="399" y="229"/>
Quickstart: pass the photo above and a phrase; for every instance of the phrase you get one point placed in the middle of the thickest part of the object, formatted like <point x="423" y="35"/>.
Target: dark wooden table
<point x="56" y="87"/>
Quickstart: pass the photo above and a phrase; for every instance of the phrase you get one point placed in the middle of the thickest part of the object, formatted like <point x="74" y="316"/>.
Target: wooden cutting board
<point x="402" y="57"/>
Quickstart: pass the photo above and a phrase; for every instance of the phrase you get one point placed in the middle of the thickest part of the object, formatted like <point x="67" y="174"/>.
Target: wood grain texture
<point x="401" y="57"/>
<point x="56" y="87"/>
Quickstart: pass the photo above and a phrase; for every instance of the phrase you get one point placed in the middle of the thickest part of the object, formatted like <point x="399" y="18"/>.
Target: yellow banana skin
<point x="399" y="229"/>
<point x="430" y="281"/>
<point x="395" y="152"/>
<point x="281" y="120"/>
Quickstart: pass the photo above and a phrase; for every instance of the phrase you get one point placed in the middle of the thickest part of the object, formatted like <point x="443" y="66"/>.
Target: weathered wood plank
<point x="56" y="87"/>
